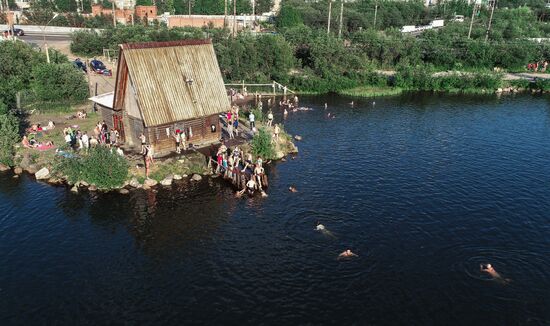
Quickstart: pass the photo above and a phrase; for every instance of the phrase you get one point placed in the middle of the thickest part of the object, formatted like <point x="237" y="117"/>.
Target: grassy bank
<point x="371" y="91"/>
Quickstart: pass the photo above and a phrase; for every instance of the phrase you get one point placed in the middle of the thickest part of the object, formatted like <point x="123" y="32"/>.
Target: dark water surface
<point x="423" y="187"/>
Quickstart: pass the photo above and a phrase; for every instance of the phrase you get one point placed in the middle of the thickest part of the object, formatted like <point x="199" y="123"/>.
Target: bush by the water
<point x="262" y="145"/>
<point x="423" y="78"/>
<point x="9" y="135"/>
<point x="100" y="167"/>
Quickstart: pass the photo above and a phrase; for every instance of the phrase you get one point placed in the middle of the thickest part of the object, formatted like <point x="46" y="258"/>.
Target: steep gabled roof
<point x="173" y="81"/>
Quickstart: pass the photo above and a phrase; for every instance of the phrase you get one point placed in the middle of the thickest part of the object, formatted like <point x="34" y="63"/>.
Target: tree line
<point x="303" y="55"/>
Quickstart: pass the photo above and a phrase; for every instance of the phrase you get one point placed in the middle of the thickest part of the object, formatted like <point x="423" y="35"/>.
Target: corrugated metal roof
<point x="174" y="81"/>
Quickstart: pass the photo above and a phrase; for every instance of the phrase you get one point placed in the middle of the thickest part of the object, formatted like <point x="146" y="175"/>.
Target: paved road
<point x="39" y="37"/>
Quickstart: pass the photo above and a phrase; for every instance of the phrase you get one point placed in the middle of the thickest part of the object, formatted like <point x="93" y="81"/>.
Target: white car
<point x="458" y="18"/>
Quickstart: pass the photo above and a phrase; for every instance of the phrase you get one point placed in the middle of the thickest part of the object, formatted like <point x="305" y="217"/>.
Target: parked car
<point x="15" y="31"/>
<point x="78" y="64"/>
<point x="97" y="66"/>
<point x="458" y="18"/>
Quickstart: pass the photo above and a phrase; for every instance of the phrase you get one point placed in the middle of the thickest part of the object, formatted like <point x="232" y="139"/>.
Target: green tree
<point x="9" y="135"/>
<point x="263" y="6"/>
<point x="289" y="17"/>
<point x="56" y="82"/>
<point x="16" y="58"/>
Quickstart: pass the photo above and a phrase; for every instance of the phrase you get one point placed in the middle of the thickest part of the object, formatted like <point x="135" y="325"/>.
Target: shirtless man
<point x="347" y="254"/>
<point x="319" y="227"/>
<point x="250" y="186"/>
<point x="292" y="189"/>
<point x="143" y="143"/>
<point x="489" y="269"/>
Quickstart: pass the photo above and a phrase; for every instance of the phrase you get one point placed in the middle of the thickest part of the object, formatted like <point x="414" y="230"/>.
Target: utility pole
<point x="225" y="14"/>
<point x="189" y="8"/>
<point x="329" y="13"/>
<point x="490" y="20"/>
<point x="375" y="13"/>
<point x="114" y="13"/>
<point x="341" y="18"/>
<point x="234" y="18"/>
<point x="472" y="20"/>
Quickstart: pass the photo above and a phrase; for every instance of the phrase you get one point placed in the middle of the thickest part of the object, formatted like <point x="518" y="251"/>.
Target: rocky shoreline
<point x="45" y="172"/>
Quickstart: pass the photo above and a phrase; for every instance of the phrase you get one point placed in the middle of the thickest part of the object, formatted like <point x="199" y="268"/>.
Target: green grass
<point x="371" y="91"/>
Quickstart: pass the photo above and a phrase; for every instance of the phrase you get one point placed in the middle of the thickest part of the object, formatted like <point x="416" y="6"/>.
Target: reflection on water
<point x="424" y="187"/>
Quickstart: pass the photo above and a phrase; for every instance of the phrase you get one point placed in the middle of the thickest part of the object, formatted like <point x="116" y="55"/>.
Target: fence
<point x="272" y="88"/>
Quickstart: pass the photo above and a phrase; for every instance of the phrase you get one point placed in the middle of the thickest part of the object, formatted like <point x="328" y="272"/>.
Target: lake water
<point x="422" y="187"/>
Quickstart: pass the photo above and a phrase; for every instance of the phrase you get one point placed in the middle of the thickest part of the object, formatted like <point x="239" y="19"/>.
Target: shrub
<point x="100" y="167"/>
<point x="541" y="84"/>
<point x="9" y="135"/>
<point x="58" y="82"/>
<point x="258" y="114"/>
<point x="86" y="43"/>
<point x="262" y="145"/>
<point x="520" y="83"/>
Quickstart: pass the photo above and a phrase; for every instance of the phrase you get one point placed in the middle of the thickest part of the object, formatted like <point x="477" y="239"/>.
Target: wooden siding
<point x="106" y="115"/>
<point x="164" y="142"/>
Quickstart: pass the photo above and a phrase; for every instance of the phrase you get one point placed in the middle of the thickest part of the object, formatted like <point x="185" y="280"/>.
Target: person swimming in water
<point x="321" y="228"/>
<point x="489" y="269"/>
<point x="347" y="254"/>
<point x="292" y="189"/>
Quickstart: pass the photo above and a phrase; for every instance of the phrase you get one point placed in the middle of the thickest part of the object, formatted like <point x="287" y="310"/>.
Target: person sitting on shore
<point x="50" y="126"/>
<point x="25" y="142"/>
<point x="35" y="128"/>
<point x="347" y="254"/>
<point x="81" y="114"/>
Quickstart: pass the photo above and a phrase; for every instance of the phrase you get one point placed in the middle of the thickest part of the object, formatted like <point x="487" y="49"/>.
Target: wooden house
<point x="165" y="86"/>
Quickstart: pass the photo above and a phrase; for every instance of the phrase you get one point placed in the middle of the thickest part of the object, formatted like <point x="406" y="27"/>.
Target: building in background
<point x="127" y="13"/>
